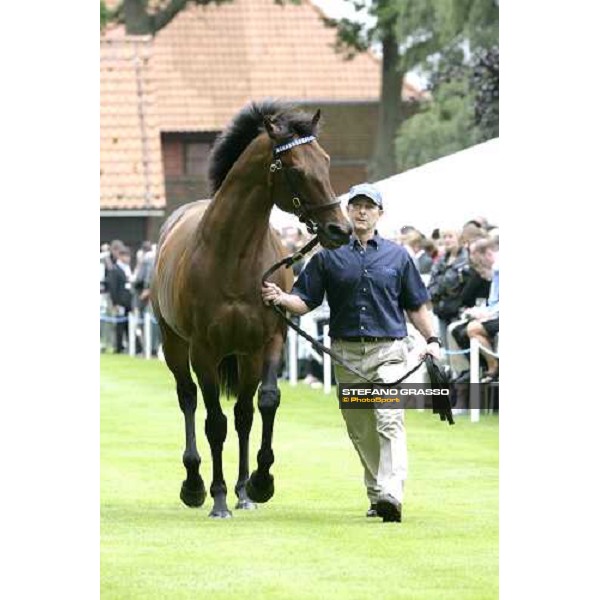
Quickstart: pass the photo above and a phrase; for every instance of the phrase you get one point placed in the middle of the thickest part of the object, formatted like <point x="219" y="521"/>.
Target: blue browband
<point x="283" y="147"/>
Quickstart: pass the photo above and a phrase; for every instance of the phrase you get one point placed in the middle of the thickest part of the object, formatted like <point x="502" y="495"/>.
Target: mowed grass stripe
<point x="312" y="539"/>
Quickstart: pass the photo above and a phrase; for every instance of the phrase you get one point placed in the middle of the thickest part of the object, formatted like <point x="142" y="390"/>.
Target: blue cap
<point x="368" y="190"/>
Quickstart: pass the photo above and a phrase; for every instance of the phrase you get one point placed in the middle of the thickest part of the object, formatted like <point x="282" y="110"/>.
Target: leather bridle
<point x="300" y="207"/>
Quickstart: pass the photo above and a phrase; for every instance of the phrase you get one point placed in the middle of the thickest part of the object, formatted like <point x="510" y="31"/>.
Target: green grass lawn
<point x="312" y="539"/>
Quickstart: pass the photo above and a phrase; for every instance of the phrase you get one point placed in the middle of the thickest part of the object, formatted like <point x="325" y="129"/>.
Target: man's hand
<point x="476" y="312"/>
<point x="433" y="349"/>
<point x="272" y="294"/>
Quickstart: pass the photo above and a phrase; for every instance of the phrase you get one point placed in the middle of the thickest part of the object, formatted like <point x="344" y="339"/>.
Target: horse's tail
<point x="228" y="376"/>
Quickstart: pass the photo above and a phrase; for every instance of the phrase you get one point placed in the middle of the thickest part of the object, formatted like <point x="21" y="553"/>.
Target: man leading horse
<point x="369" y="283"/>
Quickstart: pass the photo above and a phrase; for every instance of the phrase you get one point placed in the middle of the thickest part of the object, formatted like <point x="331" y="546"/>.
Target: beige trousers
<point x="378" y="434"/>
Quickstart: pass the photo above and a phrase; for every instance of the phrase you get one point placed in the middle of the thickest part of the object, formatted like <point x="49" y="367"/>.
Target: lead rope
<point x="288" y="262"/>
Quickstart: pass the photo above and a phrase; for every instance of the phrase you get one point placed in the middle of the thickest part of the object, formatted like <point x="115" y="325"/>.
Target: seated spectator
<point x="484" y="323"/>
<point x="470" y="233"/>
<point x="474" y="293"/>
<point x="447" y="282"/>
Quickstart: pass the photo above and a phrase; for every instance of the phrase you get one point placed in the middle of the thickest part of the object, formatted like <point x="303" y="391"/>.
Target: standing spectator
<point x="414" y="244"/>
<point x="119" y="286"/>
<point x="447" y="281"/>
<point x="293" y="240"/>
<point x="115" y="247"/>
<point x="104" y="299"/>
<point x="141" y="275"/>
<point x="430" y="249"/>
<point x="143" y="281"/>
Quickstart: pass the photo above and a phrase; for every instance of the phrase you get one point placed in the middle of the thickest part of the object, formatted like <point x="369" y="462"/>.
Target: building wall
<point x="185" y="164"/>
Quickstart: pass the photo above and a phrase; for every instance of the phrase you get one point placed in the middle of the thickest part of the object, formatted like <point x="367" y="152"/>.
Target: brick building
<point x="165" y="98"/>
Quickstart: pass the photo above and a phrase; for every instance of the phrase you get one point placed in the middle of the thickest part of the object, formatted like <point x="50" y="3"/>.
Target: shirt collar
<point x="374" y="241"/>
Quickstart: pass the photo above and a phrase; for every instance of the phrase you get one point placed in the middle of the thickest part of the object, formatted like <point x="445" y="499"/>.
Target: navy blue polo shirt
<point x="367" y="288"/>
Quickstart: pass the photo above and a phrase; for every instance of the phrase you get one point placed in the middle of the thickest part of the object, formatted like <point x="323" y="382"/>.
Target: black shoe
<point x="372" y="512"/>
<point x="389" y="509"/>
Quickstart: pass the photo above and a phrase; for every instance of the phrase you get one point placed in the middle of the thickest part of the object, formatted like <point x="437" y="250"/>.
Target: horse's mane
<point x="245" y="126"/>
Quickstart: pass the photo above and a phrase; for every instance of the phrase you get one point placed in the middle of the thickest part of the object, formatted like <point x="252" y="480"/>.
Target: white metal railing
<point x="475" y="348"/>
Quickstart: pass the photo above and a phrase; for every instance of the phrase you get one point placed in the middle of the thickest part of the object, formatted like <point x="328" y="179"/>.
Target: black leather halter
<point x="301" y="209"/>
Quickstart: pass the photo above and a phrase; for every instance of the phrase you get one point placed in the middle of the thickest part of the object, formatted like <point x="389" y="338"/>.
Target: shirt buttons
<point x="365" y="271"/>
<point x="364" y="289"/>
<point x="362" y="308"/>
<point x="362" y="326"/>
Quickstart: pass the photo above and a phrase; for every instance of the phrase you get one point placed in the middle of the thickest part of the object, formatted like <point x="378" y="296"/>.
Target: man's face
<point x="489" y="258"/>
<point x="363" y="214"/>
<point x="483" y="259"/>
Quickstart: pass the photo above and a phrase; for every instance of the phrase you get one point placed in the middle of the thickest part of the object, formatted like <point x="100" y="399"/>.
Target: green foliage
<point x="445" y="125"/>
<point x="485" y="81"/>
<point x="104" y="15"/>
<point x="464" y="83"/>
<point x="416" y="25"/>
<point x="141" y="19"/>
<point x="476" y="20"/>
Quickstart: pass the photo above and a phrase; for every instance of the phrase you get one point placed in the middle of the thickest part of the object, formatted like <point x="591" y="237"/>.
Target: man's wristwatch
<point x="434" y="340"/>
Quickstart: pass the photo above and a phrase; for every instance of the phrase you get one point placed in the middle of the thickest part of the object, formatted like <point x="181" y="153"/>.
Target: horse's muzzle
<point x="337" y="235"/>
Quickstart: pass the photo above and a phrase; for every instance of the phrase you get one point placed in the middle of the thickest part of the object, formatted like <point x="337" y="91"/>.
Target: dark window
<point x="195" y="157"/>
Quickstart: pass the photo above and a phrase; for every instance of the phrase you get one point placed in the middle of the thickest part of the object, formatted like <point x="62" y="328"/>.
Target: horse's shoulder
<point x="191" y="210"/>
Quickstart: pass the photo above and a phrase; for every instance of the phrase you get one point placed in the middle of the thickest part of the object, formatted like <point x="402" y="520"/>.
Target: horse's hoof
<point x="192" y="497"/>
<point x="245" y="505"/>
<point x="220" y="514"/>
<point x="260" y="488"/>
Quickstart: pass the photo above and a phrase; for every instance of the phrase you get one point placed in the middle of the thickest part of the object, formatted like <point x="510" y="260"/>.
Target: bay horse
<point x="206" y="291"/>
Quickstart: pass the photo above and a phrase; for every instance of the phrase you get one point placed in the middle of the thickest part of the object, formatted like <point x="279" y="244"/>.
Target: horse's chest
<point x="236" y="326"/>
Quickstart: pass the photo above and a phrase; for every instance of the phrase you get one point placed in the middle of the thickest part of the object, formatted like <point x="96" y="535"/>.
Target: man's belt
<point x="367" y="338"/>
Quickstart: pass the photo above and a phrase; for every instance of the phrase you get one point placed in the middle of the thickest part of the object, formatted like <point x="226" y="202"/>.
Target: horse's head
<point x="299" y="177"/>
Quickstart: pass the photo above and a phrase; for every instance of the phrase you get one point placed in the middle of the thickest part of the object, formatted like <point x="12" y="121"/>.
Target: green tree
<point x="408" y="31"/>
<point x="444" y="126"/>
<point x="464" y="84"/>
<point x="141" y="19"/>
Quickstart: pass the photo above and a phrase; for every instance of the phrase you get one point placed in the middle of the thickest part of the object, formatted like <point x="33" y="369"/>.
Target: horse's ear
<point x="271" y="128"/>
<point x="316" y="118"/>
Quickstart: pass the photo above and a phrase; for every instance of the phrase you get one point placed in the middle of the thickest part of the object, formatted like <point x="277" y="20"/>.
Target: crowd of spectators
<point x="123" y="290"/>
<point x="460" y="269"/>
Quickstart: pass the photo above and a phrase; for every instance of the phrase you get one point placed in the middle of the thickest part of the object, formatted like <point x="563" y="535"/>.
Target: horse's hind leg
<point x="176" y="350"/>
<point x="250" y="369"/>
<point x="260" y="486"/>
<point x="215" y="428"/>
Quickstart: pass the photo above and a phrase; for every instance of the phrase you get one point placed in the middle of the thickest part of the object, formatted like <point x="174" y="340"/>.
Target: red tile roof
<point x="131" y="175"/>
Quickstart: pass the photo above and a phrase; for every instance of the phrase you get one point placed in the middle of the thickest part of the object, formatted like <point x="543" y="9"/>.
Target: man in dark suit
<point x="119" y="287"/>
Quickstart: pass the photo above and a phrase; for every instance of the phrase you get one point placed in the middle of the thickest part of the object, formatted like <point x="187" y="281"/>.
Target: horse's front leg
<point x="215" y="428"/>
<point x="260" y="486"/>
<point x="250" y="368"/>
